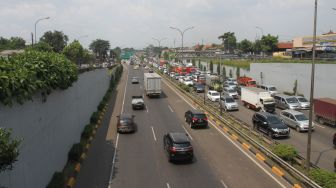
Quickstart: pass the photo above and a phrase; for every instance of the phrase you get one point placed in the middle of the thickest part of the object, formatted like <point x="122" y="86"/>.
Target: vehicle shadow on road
<point x="321" y="153"/>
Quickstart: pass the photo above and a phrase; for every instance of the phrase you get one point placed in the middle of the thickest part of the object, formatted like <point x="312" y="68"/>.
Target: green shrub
<point x="284" y="151"/>
<point x="323" y="177"/>
<point x="94" y="118"/>
<point x="87" y="131"/>
<point x="75" y="152"/>
<point x="9" y="152"/>
<point x="57" y="181"/>
<point x="101" y="106"/>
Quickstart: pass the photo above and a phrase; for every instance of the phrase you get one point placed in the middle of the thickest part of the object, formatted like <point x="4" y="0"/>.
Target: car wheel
<point x="185" y="119"/>
<point x="270" y="134"/>
<point x="191" y="126"/>
<point x="298" y="129"/>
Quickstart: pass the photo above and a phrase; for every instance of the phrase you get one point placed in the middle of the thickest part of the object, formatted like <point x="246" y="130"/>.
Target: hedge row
<point x="24" y="75"/>
<point x="59" y="178"/>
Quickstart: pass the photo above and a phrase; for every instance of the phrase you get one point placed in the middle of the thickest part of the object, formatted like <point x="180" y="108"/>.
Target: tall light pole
<point x="311" y="92"/>
<point x="159" y="42"/>
<point x="37" y="21"/>
<point x="261" y="29"/>
<point x="182" y="33"/>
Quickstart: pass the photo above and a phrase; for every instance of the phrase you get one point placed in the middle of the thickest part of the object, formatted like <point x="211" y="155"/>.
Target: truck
<point x="325" y="110"/>
<point x="138" y="102"/>
<point x="152" y="84"/>
<point x="212" y="81"/>
<point x="257" y="99"/>
<point x="246" y="81"/>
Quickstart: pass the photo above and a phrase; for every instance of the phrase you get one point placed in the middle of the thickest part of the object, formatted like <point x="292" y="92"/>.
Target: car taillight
<point x="205" y="119"/>
<point x="172" y="149"/>
<point x="194" y="119"/>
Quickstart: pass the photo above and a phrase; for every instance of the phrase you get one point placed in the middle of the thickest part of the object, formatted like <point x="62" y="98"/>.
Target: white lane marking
<point x="140" y="87"/>
<point x="224" y="185"/>
<point x="187" y="132"/>
<point x="247" y="155"/>
<point x="170" y="108"/>
<point x="113" y="161"/>
<point x="147" y="109"/>
<point x="168" y="186"/>
<point x="235" y="144"/>
<point x="153" y="133"/>
<point x="122" y="107"/>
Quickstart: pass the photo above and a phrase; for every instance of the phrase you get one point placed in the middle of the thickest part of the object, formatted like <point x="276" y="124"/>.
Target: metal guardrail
<point x="236" y="125"/>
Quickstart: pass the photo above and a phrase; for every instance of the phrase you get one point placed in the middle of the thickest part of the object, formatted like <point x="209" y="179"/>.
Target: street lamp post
<point x="182" y="33"/>
<point x="37" y="21"/>
<point x="262" y="33"/>
<point x="311" y="92"/>
<point x="159" y="42"/>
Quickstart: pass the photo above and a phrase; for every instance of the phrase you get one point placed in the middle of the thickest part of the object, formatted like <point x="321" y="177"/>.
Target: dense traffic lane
<point x="323" y="152"/>
<point x="141" y="161"/>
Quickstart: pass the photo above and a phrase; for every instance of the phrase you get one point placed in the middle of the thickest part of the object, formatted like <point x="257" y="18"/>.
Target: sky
<point x="134" y="23"/>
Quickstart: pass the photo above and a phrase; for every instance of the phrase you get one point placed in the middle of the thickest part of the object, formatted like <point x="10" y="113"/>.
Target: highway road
<point x="323" y="151"/>
<point x="140" y="160"/>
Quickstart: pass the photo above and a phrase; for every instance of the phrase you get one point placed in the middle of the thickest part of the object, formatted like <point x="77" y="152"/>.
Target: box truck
<point x="325" y="110"/>
<point x="257" y="99"/>
<point x="152" y="84"/>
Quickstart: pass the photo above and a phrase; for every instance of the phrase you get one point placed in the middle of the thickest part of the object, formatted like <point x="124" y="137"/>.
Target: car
<point x="135" y="80"/>
<point x="228" y="103"/>
<point x="195" y="118"/>
<point x="296" y="120"/>
<point x="125" y="123"/>
<point x="270" y="88"/>
<point x="138" y="102"/>
<point x="286" y="102"/>
<point x="230" y="85"/>
<point x="231" y="92"/>
<point x="150" y="70"/>
<point x="188" y="82"/>
<point x="165" y="71"/>
<point x="270" y="124"/>
<point x="213" y="95"/>
<point x="178" y="147"/>
<point x="135" y="67"/>
<point x="231" y="80"/>
<point x="304" y="103"/>
<point x="199" y="88"/>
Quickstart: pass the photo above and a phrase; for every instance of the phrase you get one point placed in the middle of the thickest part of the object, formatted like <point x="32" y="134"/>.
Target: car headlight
<point x="275" y="129"/>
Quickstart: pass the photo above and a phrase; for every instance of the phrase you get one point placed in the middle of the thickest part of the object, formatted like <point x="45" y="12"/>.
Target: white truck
<point x="257" y="99"/>
<point x="152" y="84"/>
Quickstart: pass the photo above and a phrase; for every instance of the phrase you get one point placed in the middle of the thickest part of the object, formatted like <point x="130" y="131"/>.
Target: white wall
<point x="50" y="129"/>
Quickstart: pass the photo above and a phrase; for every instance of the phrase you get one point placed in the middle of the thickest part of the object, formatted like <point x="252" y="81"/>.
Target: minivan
<point x="286" y="102"/>
<point x="270" y="88"/>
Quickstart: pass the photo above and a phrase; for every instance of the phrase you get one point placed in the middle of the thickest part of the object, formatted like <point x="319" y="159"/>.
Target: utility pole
<point x="32" y="38"/>
<point x="311" y="93"/>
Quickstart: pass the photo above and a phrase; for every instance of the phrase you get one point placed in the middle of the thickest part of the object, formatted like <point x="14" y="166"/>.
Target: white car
<point x="165" y="71"/>
<point x="188" y="82"/>
<point x="228" y="103"/>
<point x="213" y="95"/>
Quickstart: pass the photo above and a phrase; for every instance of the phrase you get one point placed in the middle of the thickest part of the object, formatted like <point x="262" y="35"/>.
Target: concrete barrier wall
<point x="50" y="128"/>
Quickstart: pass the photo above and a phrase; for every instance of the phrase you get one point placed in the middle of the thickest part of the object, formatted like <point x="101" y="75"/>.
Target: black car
<point x="199" y="88"/>
<point x="196" y="118"/>
<point x="270" y="124"/>
<point x="126" y="123"/>
<point x="178" y="147"/>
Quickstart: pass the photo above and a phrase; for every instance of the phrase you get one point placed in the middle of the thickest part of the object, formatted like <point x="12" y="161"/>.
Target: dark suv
<point x="178" y="147"/>
<point x="270" y="124"/>
<point x="196" y="118"/>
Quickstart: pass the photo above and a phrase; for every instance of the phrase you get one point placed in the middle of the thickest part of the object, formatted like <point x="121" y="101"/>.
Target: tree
<point x="8" y="150"/>
<point x="269" y="43"/>
<point x="245" y="46"/>
<point x="193" y="62"/>
<point x="74" y="52"/>
<point x="12" y="44"/>
<point x="218" y="69"/>
<point x="100" y="48"/>
<point x="230" y="73"/>
<point x="42" y="47"/>
<point x="229" y="41"/>
<point x="295" y="87"/>
<point x="166" y="55"/>
<point x="204" y="68"/>
<point x="88" y="57"/>
<point x="224" y="72"/>
<point x="211" y="67"/>
<point x="257" y="46"/>
<point x="199" y="63"/>
<point x="238" y="72"/>
<point x="56" y="39"/>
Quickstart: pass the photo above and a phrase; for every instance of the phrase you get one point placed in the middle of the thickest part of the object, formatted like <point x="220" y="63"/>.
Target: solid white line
<point x="224" y="185"/>
<point x="113" y="161"/>
<point x="147" y="109"/>
<point x="168" y="186"/>
<point x="235" y="144"/>
<point x="187" y="132"/>
<point x="122" y="107"/>
<point x="153" y="133"/>
<point x="170" y="108"/>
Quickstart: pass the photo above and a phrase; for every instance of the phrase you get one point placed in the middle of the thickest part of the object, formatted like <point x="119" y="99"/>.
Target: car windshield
<point x="200" y="86"/>
<point x="301" y="117"/>
<point x="182" y="145"/>
<point x="273" y="120"/>
<point x="272" y="88"/>
<point x="215" y="94"/>
<point x="292" y="100"/>
<point x="231" y="91"/>
<point x="229" y="100"/>
<point x="231" y="83"/>
<point x="301" y="99"/>
<point x="125" y="121"/>
<point x="200" y="116"/>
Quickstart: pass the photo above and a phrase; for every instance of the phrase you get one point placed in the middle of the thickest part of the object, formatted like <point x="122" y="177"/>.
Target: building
<point x="325" y="46"/>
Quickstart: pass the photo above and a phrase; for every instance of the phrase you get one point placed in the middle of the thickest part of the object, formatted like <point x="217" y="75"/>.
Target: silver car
<point x="228" y="103"/>
<point x="295" y="120"/>
<point x="304" y="103"/>
<point x="231" y="92"/>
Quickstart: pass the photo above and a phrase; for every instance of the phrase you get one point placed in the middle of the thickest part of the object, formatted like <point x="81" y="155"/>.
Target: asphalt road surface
<point x="140" y="160"/>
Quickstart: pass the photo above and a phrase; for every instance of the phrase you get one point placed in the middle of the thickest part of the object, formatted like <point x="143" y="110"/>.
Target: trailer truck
<point x="152" y="84"/>
<point x="257" y="99"/>
<point x="325" y="110"/>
